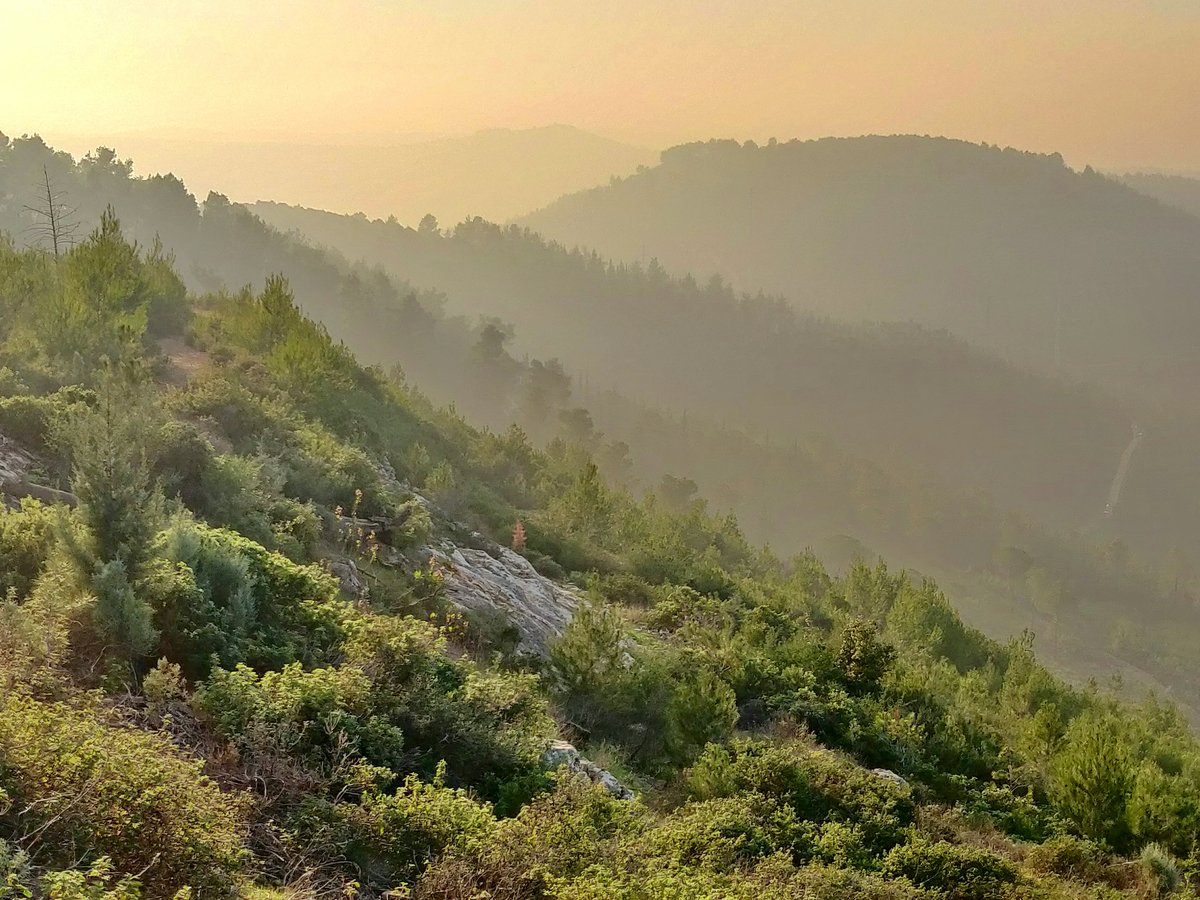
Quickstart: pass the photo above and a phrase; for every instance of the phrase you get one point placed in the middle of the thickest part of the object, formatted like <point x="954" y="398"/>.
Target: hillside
<point x="754" y="362"/>
<point x="1174" y="190"/>
<point x="791" y="488"/>
<point x="500" y="173"/>
<point x="1012" y="251"/>
<point x="909" y="455"/>
<point x="261" y="648"/>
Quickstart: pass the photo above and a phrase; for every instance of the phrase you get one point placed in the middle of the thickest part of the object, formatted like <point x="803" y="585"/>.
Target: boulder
<point x="15" y="464"/>
<point x="497" y="580"/>
<point x="889" y="775"/>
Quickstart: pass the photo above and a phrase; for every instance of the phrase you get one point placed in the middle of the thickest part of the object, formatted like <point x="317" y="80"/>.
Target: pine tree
<point x="1095" y="777"/>
<point x="119" y="506"/>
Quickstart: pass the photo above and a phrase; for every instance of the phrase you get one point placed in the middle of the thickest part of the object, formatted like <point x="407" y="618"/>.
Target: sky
<point x="1113" y="83"/>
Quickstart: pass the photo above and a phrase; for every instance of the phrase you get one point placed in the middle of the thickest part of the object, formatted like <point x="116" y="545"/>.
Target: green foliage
<point x="862" y="658"/>
<point x="701" y="709"/>
<point x="726" y="832"/>
<point x="83" y="789"/>
<point x="1070" y="857"/>
<point x="97" y="882"/>
<point x="817" y="785"/>
<point x="1094" y="779"/>
<point x="1161" y="869"/>
<point x="390" y="838"/>
<point x="26" y="539"/>
<point x="219" y="594"/>
<point x="35" y="631"/>
<point x="322" y="719"/>
<point x="121" y="615"/>
<point x="118" y="506"/>
<point x="375" y="742"/>
<point x="963" y="873"/>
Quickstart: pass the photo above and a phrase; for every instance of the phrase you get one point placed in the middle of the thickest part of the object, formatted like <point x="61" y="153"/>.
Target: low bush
<point x="958" y="872"/>
<point x="79" y="789"/>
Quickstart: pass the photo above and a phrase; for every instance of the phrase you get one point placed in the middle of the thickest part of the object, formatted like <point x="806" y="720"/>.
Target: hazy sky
<point x="1111" y="82"/>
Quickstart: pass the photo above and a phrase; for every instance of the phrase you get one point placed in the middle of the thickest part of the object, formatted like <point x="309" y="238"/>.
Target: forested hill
<point x="498" y="173"/>
<point x="1013" y="251"/>
<point x="758" y="363"/>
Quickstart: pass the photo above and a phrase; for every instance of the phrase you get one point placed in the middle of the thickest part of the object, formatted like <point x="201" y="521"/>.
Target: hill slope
<point x="945" y="408"/>
<point x="790" y="484"/>
<point x="193" y="706"/>
<point x="1012" y="251"/>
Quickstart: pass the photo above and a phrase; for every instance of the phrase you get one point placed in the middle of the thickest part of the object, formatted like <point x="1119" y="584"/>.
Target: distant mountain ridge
<point x="1013" y="251"/>
<point x="498" y="173"/>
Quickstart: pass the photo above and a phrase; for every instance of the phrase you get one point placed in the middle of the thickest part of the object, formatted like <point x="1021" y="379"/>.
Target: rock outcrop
<point x="562" y="754"/>
<point x="889" y="775"/>
<point x="350" y="579"/>
<point x="500" y="581"/>
<point x="14" y="462"/>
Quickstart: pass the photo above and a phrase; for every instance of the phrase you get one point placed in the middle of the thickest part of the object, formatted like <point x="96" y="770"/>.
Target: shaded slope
<point x="1013" y="251"/>
<point x="884" y="390"/>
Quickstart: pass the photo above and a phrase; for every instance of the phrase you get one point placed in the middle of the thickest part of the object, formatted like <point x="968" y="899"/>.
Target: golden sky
<point x="1115" y="83"/>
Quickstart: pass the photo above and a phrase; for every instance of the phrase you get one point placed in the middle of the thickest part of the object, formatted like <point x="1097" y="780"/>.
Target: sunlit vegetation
<point x="189" y="705"/>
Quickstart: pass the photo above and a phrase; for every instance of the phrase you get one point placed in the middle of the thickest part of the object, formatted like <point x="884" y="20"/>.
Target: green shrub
<point x="1094" y="778"/>
<point x="1161" y="870"/>
<point x="35" y="632"/>
<point x="1165" y="808"/>
<point x="1068" y="856"/>
<point x="324" y="719"/>
<point x="121" y="613"/>
<point x="93" y="790"/>
<point x="1015" y="814"/>
<point x="702" y="708"/>
<point x="818" y="785"/>
<point x="391" y="838"/>
<point x="98" y="882"/>
<point x="224" y="594"/>
<point x="862" y="657"/>
<point x="727" y="832"/>
<point x="11" y="383"/>
<point x="27" y="420"/>
<point x="517" y="793"/>
<point x="26" y="538"/>
<point x="962" y="873"/>
<point x="575" y="826"/>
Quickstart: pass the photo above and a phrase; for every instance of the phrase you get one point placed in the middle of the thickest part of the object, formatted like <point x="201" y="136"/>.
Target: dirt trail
<point x="186" y="362"/>
<point x="1114" y="492"/>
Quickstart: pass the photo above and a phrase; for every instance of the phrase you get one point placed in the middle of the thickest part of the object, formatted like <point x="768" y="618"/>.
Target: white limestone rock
<point x="500" y="581"/>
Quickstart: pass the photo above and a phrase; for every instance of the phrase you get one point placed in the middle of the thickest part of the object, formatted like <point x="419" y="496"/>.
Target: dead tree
<point x="54" y="221"/>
